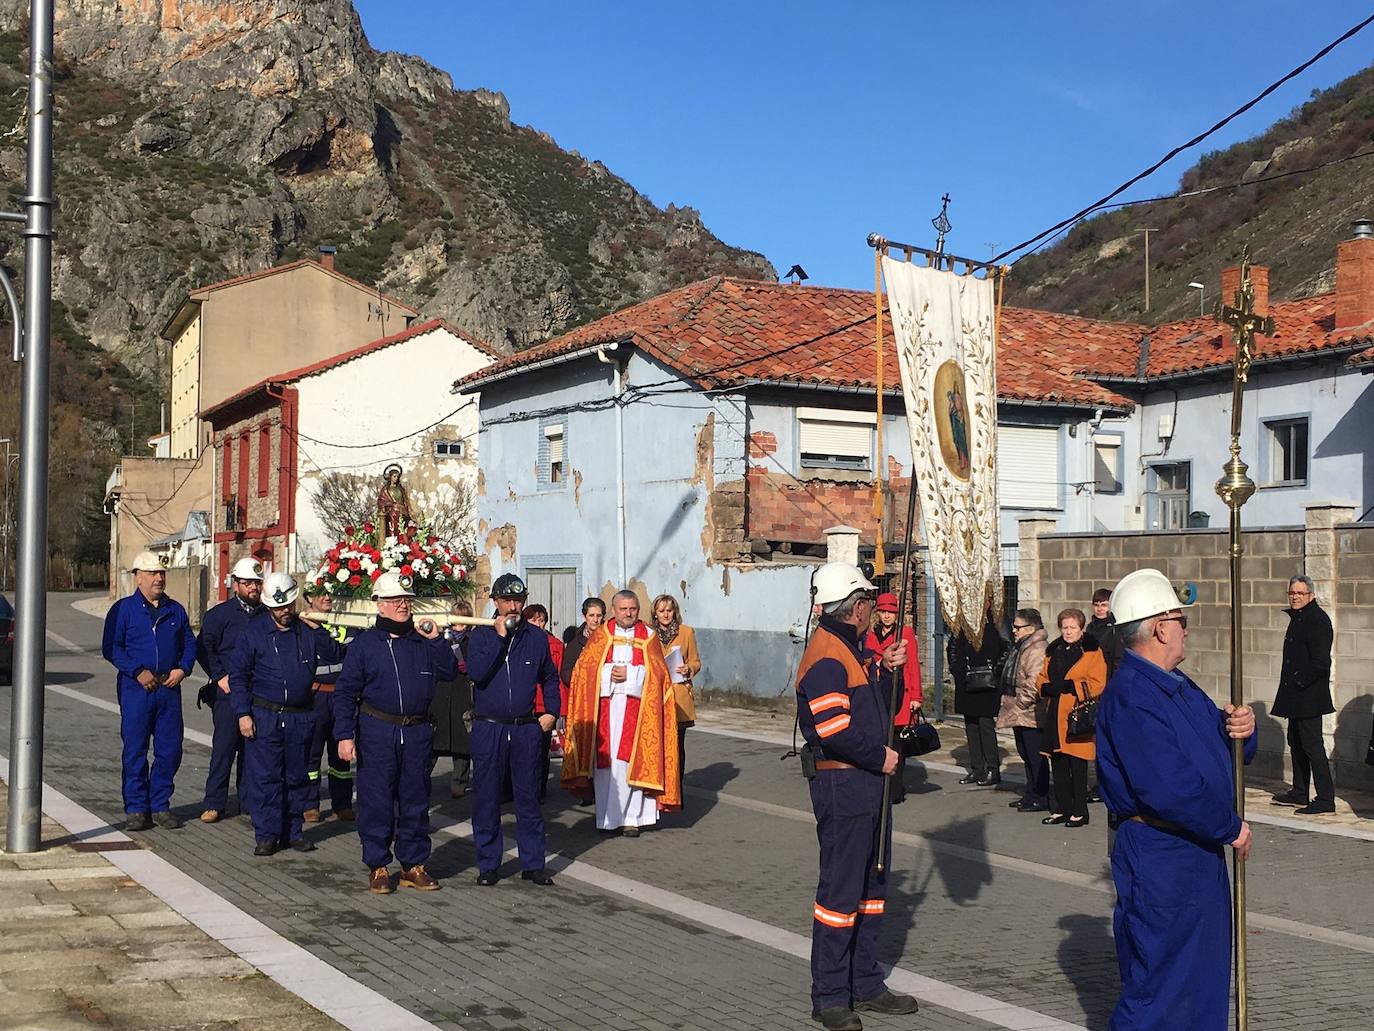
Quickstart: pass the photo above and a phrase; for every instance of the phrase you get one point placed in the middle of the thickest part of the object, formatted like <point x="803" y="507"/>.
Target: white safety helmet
<point x="392" y="585"/>
<point x="247" y="569"/>
<point x="836" y="581"/>
<point x="1142" y="594"/>
<point x="280" y="589"/>
<point x="148" y="561"/>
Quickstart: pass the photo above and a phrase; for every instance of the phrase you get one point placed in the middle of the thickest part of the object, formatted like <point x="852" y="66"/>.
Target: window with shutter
<point x="1028" y="467"/>
<point x="554" y="437"/>
<point x="835" y="439"/>
<point x="1107" y="465"/>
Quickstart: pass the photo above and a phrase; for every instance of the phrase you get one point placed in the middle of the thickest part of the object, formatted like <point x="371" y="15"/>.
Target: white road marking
<point x="352" y="1004"/>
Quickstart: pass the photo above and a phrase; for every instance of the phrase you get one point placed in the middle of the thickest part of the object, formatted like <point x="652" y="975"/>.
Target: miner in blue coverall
<point x="843" y="708"/>
<point x="507" y="667"/>
<point x="381" y="719"/>
<point x="148" y="640"/>
<point x="219" y="636"/>
<point x="338" y="772"/>
<point x="1165" y="771"/>
<point x="271" y="687"/>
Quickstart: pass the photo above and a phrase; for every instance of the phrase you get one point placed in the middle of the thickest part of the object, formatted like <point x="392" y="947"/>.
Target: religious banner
<point x="946" y="346"/>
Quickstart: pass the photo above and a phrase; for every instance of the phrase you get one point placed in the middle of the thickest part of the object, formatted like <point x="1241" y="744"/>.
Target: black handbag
<point x="918" y="737"/>
<point x="1082" y="722"/>
<point x="1369" y="755"/>
<point x="980" y="680"/>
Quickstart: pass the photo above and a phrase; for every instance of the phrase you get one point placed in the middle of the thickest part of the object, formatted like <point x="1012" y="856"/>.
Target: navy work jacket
<point x="141" y="636"/>
<point x="506" y="672"/>
<point x="841" y="707"/>
<point x="220" y="632"/>
<point x="1163" y="752"/>
<point x="395" y="675"/>
<point x="278" y="665"/>
<point x="328" y="673"/>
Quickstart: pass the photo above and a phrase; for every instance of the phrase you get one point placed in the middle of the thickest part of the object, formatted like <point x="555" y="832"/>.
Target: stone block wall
<point x="1062" y="570"/>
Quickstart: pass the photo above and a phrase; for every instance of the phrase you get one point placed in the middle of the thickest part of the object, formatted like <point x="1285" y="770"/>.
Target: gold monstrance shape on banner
<point x="1235" y="488"/>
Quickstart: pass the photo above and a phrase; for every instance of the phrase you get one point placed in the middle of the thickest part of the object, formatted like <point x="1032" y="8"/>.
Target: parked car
<point x="6" y="641"/>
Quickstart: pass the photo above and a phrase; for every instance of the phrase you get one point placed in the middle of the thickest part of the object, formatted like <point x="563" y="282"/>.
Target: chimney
<point x="1355" y="276"/>
<point x="1259" y="279"/>
<point x="327" y="256"/>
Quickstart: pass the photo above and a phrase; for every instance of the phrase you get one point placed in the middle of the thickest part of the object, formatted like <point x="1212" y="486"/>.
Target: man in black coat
<point x="1304" y="697"/>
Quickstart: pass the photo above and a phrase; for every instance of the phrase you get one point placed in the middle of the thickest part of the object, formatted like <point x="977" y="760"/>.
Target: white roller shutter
<point x="1028" y="467"/>
<point x="840" y="439"/>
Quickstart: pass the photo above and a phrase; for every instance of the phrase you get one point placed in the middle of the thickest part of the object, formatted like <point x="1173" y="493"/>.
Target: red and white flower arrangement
<point x="435" y="567"/>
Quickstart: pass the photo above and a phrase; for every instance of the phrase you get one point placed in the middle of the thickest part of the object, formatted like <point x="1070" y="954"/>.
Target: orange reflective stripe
<point x="834" y="700"/>
<point x="832" y="726"/>
<point x="871" y="906"/>
<point x="832" y="919"/>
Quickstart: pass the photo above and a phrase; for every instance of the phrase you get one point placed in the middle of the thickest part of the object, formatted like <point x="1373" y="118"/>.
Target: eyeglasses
<point x="1298" y="594"/>
<point x="1180" y="620"/>
<point x="1020" y="626"/>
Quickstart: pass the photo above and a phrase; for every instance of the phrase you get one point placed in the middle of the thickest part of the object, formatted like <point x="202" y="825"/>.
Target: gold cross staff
<point x="1235" y="488"/>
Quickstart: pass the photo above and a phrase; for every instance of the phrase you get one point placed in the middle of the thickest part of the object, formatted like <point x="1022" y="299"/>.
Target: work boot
<point x="541" y="876"/>
<point x="167" y="820"/>
<point x="488" y="878"/>
<point x="267" y="847"/>
<point x="347" y="815"/>
<point x="379" y="881"/>
<point x="457" y="789"/>
<point x="210" y="816"/>
<point x="838" y="1018"/>
<point x="1290" y="798"/>
<point x="888" y="1002"/>
<point x="303" y="845"/>
<point x="1317" y="808"/>
<point x="417" y="877"/>
<point x="989" y="780"/>
<point x="311" y="816"/>
<point x="138" y="822"/>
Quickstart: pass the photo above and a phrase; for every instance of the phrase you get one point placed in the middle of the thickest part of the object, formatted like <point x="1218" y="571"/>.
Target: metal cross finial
<point x="941" y="224"/>
<point x="1244" y="321"/>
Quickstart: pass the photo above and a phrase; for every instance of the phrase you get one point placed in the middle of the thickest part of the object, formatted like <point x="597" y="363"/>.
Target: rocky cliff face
<point x="199" y="140"/>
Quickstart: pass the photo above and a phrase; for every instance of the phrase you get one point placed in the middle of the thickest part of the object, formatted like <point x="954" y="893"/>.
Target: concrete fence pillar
<point x="1029" y="532"/>
<point x="842" y="544"/>
<point x="1322" y="562"/>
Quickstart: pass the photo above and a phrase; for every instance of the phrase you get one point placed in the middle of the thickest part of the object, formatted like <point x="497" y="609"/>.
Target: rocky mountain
<point x="1257" y="192"/>
<point x="201" y="140"/>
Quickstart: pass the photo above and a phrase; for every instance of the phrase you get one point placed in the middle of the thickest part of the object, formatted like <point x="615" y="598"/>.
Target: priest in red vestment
<point x="621" y="736"/>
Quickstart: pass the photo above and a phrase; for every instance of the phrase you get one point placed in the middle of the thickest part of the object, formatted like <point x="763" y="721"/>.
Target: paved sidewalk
<point x="83" y="945"/>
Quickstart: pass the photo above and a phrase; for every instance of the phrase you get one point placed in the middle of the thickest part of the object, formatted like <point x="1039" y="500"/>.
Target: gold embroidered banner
<point x="944" y="325"/>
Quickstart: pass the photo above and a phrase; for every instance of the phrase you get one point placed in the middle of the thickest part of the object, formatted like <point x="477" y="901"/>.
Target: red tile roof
<point x="1363" y="361"/>
<point x="348" y="356"/>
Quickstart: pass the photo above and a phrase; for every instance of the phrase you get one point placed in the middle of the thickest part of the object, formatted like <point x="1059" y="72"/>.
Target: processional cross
<point x="1235" y="488"/>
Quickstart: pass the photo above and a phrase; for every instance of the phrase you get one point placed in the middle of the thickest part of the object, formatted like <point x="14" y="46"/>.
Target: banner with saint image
<point x="944" y="326"/>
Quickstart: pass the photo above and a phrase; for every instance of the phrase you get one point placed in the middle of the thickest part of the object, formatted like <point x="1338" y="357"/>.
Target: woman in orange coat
<point x="1075" y="670"/>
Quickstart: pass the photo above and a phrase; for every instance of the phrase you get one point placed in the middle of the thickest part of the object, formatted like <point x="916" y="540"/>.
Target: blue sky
<point x="798" y="128"/>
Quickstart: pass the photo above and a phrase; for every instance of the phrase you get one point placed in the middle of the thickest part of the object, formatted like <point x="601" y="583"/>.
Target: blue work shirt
<point x="140" y="635"/>
<point x="220" y="632"/>
<point x="278" y="665"/>
<point x="1163" y="752"/>
<point x="506" y="672"/>
<point x="395" y="675"/>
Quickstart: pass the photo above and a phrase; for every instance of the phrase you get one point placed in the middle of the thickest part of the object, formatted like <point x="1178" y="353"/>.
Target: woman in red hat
<point x="883" y="634"/>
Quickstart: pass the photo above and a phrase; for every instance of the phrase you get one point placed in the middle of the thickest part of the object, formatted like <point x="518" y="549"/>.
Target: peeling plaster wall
<point x="379" y="397"/>
<point x="681" y="447"/>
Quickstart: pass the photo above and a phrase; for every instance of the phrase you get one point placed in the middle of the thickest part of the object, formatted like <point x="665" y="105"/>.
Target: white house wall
<point x="396" y="391"/>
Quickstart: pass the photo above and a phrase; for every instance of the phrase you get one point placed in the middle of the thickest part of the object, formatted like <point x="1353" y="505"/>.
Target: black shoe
<point x="888" y="1002"/>
<point x="838" y="1018"/>
<point x="168" y="820"/>
<point x="1290" y="798"/>
<point x="488" y="878"/>
<point x="989" y="780"/>
<point x="1076" y="821"/>
<point x="303" y="845"/>
<point x="269" y="847"/>
<point x="582" y="803"/>
<point x="971" y="778"/>
<point x="1017" y="804"/>
<point x="1032" y="806"/>
<point x="1094" y="796"/>
<point x="1055" y="818"/>
<point x="138" y="822"/>
<point x="629" y="832"/>
<point x="541" y="877"/>
<point x="1316" y="808"/>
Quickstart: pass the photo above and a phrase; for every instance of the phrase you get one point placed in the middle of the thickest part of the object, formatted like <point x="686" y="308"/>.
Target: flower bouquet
<point x="437" y="571"/>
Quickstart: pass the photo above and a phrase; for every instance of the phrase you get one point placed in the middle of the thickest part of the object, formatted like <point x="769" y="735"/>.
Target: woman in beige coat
<point x="1022" y="709"/>
<point x="673" y="633"/>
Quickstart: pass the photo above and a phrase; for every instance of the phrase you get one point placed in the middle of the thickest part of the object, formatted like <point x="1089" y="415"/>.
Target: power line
<point x="405" y="436"/>
<point x="1190" y="143"/>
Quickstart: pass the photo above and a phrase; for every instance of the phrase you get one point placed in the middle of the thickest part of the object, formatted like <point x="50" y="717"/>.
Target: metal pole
<point x="26" y="719"/>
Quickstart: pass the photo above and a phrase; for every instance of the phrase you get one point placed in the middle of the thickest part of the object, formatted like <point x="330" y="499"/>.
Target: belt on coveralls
<point x="1158" y="824"/>
<point x="508" y="721"/>
<point x="392" y="718"/>
<point x="279" y="707"/>
<point x="834" y="764"/>
<point x="322" y="688"/>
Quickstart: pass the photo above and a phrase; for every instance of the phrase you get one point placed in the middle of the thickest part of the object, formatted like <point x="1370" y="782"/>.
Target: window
<point x="1287" y="441"/>
<point x="835" y="439"/>
<point x="449" y="449"/>
<point x="1107" y="465"/>
<point x="243" y="482"/>
<point x="1028" y="467"/>
<point x="264" y="459"/>
<point x="228" y="474"/>
<point x="554" y="436"/>
<point x="1169" y="492"/>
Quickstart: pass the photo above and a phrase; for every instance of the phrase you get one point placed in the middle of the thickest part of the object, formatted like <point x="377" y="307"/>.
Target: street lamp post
<point x="5" y="519"/>
<point x="1201" y="297"/>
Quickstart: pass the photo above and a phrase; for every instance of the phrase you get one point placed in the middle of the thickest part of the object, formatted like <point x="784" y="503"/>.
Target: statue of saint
<point x="393" y="506"/>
